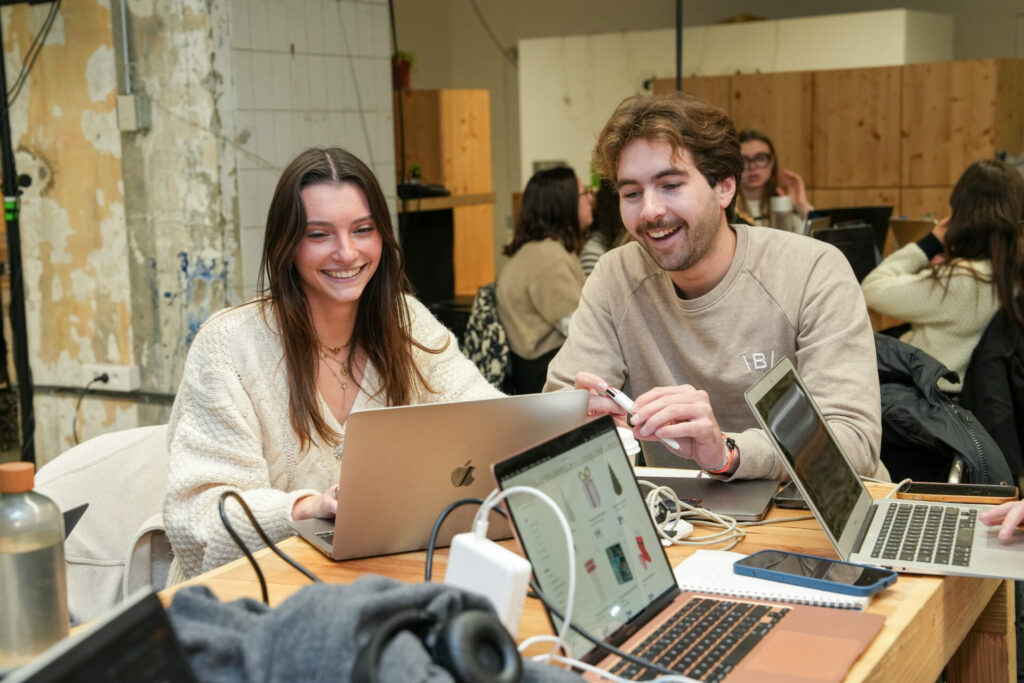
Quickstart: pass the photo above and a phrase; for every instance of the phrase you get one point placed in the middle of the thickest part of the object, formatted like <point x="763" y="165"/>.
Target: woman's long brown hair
<point x="987" y="223"/>
<point x="382" y="317"/>
<point x="550" y="210"/>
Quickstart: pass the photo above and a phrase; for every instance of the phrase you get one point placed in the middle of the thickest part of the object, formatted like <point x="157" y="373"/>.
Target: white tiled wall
<point x="307" y="73"/>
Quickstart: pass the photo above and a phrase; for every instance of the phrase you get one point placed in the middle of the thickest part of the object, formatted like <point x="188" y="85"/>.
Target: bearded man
<point x="692" y="313"/>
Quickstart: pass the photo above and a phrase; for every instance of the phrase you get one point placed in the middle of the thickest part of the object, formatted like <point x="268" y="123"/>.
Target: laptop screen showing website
<point x="827" y="477"/>
<point x="621" y="568"/>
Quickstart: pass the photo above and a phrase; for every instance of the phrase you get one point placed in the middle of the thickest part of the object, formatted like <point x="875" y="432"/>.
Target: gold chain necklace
<point x="327" y="354"/>
<point x="341" y="373"/>
<point x="334" y="350"/>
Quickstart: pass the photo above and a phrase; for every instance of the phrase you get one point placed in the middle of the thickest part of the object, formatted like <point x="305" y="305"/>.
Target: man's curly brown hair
<point x="685" y="122"/>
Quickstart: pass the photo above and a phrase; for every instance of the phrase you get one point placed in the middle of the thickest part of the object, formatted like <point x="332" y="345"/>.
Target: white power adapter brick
<point x="482" y="566"/>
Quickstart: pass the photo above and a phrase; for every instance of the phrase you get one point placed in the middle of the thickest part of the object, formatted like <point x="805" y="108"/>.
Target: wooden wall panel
<point x="918" y="202"/>
<point x="856" y="138"/>
<point x="780" y="105"/>
<point x="949" y="119"/>
<point x="712" y="89"/>
<point x="1010" y="106"/>
<point x="421" y="113"/>
<point x="465" y="128"/>
<point x="833" y="198"/>
<point x="473" y="252"/>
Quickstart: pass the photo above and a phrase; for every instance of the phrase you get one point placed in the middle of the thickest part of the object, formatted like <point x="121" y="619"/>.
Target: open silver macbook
<point x="403" y="465"/>
<point x="921" y="537"/>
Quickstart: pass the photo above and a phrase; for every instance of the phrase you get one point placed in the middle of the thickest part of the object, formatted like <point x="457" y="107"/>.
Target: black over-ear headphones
<point x="472" y="645"/>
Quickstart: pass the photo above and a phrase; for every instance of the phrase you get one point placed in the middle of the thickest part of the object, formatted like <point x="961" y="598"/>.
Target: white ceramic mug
<point x="782" y="207"/>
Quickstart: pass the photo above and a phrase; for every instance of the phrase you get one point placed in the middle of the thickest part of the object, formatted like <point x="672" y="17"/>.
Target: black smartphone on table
<point x="789" y="496"/>
<point x="987" y="494"/>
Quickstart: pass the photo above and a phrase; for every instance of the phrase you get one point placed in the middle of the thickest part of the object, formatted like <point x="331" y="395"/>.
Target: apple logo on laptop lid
<point x="463" y="476"/>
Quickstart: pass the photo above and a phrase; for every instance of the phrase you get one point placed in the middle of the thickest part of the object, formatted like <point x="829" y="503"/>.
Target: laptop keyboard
<point x="705" y="639"/>
<point x="326" y="536"/>
<point x="927" y="533"/>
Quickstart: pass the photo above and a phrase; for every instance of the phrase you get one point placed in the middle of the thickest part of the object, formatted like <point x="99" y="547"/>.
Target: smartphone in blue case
<point x="815" y="572"/>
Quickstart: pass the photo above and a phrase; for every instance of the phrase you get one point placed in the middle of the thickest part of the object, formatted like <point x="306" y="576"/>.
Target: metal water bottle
<point x="33" y="587"/>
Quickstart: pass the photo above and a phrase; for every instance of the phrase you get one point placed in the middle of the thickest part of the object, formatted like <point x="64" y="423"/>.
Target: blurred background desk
<point x="446" y="244"/>
<point x="930" y="621"/>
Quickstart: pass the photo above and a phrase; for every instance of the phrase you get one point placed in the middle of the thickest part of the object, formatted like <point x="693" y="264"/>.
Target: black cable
<point x="487" y="27"/>
<point x="74" y="421"/>
<point x="398" y="99"/>
<point x="263" y="536"/>
<point x="537" y="593"/>
<point x="679" y="45"/>
<point x="601" y="644"/>
<point x="437" y="527"/>
<point x="33" y="51"/>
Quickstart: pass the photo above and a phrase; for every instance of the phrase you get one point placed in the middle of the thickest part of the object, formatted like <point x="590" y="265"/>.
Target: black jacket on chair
<point x="923" y="428"/>
<point x="993" y="388"/>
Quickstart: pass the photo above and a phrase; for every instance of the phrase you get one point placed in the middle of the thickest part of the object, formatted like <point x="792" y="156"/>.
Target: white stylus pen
<point x="627" y="403"/>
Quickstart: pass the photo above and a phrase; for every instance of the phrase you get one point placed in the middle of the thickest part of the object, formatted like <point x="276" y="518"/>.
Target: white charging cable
<point x="590" y="668"/>
<point x="681" y="511"/>
<point x="480" y="529"/>
<point x="896" y="487"/>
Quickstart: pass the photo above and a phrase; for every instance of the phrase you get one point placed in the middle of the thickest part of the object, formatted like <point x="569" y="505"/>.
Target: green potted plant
<point x="401" y="69"/>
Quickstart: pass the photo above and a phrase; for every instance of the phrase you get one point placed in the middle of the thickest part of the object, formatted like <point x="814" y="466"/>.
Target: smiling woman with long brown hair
<point x="269" y="385"/>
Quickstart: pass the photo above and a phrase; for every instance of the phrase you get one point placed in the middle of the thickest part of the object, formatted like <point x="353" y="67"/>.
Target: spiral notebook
<point x="710" y="571"/>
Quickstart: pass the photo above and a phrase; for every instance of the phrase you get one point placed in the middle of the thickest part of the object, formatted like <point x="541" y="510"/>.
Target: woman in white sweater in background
<point x="951" y="283"/>
<point x="268" y="385"/>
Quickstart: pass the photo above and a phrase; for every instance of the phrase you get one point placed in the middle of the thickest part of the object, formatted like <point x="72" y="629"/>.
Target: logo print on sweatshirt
<point x="759" y="361"/>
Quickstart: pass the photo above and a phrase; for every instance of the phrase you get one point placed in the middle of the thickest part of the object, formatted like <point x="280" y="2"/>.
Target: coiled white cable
<point x="677" y="510"/>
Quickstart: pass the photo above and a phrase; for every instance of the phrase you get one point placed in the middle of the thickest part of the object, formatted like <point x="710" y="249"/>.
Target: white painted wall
<point x="306" y="73"/>
<point x="568" y="86"/>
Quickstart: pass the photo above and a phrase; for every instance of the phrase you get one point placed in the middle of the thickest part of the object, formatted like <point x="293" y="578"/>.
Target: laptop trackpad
<point x="821" y="658"/>
<point x="992" y="540"/>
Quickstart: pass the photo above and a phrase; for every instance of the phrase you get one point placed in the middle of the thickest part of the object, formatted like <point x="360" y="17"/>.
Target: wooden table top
<point x="927" y="617"/>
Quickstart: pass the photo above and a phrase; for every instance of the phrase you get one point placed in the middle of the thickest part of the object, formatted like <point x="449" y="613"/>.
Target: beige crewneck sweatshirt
<point x="784" y="295"/>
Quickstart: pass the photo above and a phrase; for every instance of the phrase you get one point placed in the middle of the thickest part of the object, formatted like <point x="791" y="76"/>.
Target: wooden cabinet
<point x="955" y="113"/>
<point x="898" y="135"/>
<point x="857" y="128"/>
<point x="779" y="105"/>
<point x="447" y="133"/>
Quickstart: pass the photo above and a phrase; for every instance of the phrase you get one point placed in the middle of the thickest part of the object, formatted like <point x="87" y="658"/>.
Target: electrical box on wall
<point x="132" y="113"/>
<point x="123" y="378"/>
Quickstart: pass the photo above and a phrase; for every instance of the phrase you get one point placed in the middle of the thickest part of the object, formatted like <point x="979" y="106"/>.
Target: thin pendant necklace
<point x="341" y="374"/>
<point x="328" y="354"/>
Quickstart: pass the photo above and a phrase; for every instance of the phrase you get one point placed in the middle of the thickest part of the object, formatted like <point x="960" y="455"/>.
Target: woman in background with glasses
<point x="762" y="179"/>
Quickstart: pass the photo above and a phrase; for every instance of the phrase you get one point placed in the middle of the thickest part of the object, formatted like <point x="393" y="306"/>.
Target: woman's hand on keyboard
<point x="323" y="506"/>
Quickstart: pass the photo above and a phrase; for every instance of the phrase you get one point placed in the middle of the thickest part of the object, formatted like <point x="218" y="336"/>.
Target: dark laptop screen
<point x="621" y="569"/>
<point x="826" y="475"/>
